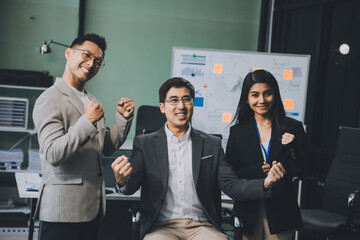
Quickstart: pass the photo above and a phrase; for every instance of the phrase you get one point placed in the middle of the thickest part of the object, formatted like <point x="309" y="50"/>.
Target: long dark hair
<point x="244" y="112"/>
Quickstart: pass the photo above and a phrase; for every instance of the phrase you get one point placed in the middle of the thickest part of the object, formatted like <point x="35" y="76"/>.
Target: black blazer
<point x="210" y="172"/>
<point x="151" y="170"/>
<point x="244" y="153"/>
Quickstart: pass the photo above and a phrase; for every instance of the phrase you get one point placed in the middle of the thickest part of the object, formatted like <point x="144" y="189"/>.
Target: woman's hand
<point x="287" y="138"/>
<point x="265" y="167"/>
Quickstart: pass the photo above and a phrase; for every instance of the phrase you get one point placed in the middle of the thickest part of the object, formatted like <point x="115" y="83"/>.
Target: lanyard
<point x="262" y="146"/>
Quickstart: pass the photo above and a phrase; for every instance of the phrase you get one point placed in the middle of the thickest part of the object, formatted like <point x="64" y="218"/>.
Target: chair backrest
<point x="149" y="119"/>
<point x="344" y="174"/>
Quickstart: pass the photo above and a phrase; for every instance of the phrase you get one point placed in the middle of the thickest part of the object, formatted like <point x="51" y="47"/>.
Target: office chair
<point x="149" y="119"/>
<point x="341" y="208"/>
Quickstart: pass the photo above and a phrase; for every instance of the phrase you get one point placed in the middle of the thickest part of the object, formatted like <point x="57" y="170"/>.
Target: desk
<point x="23" y="177"/>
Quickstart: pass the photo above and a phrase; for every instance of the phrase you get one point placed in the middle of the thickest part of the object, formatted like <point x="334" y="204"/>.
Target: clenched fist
<point x="276" y="173"/>
<point x="93" y="111"/>
<point x="125" y="106"/>
<point x="287" y="138"/>
<point x="122" y="170"/>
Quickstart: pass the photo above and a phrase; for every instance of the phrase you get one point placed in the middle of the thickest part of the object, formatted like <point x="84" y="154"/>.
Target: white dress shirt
<point x="82" y="95"/>
<point x="181" y="200"/>
<point x="266" y="146"/>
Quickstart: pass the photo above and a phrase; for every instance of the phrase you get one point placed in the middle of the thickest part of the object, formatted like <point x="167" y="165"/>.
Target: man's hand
<point x="276" y="173"/>
<point x="125" y="106"/>
<point x="93" y="111"/>
<point x="122" y="170"/>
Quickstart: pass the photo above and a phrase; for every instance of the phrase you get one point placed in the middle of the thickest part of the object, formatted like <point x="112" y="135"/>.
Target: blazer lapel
<point x="161" y="149"/>
<point x="72" y="98"/>
<point x="197" y="148"/>
<point x="253" y="140"/>
<point x="99" y="124"/>
<point x="276" y="145"/>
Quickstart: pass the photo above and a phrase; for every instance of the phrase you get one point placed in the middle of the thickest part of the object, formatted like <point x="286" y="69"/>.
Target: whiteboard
<point x="217" y="76"/>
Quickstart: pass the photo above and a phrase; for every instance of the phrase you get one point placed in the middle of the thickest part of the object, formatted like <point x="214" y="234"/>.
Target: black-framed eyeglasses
<point x="88" y="56"/>
<point x="187" y="100"/>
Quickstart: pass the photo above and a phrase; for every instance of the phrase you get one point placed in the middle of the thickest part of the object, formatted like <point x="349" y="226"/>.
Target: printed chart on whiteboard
<point x="217" y="76"/>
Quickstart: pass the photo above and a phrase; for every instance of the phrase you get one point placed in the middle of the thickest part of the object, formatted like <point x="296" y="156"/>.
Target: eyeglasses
<point x="88" y="56"/>
<point x="187" y="100"/>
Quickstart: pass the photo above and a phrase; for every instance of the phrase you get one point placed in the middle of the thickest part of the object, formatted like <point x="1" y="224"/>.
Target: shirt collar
<point x="83" y="92"/>
<point x="171" y="137"/>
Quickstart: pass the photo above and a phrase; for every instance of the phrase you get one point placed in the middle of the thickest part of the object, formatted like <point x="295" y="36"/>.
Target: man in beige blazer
<point x="72" y="137"/>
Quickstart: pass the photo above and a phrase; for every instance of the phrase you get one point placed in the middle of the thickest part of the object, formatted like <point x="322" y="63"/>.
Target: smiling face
<point x="78" y="70"/>
<point x="178" y="116"/>
<point x="261" y="99"/>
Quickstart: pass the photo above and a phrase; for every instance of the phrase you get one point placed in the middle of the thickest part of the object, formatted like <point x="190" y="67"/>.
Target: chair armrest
<point x="135" y="219"/>
<point x="351" y="199"/>
<point x="308" y="182"/>
<point x="135" y="212"/>
<point x="237" y="223"/>
<point x="309" y="179"/>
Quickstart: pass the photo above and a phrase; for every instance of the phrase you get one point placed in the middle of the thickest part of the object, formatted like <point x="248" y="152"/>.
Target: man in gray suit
<point x="73" y="136"/>
<point x="181" y="170"/>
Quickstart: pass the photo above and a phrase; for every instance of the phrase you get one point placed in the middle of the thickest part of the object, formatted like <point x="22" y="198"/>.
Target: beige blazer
<point x="70" y="151"/>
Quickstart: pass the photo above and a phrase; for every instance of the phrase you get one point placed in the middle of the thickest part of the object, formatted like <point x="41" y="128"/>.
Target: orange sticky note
<point x="227" y="117"/>
<point x="254" y="69"/>
<point x="218" y="68"/>
<point x="288" y="74"/>
<point x="288" y="104"/>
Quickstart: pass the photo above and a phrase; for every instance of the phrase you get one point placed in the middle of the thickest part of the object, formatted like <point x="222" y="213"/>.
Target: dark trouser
<point x="69" y="231"/>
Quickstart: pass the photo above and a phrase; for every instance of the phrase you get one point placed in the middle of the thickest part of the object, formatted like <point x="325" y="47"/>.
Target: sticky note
<point x="254" y="69"/>
<point x="227" y="117"/>
<point x="288" y="74"/>
<point x="218" y="68"/>
<point x="288" y="104"/>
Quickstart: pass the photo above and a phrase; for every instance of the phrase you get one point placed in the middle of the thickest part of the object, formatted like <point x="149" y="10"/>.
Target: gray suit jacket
<point x="70" y="151"/>
<point x="210" y="172"/>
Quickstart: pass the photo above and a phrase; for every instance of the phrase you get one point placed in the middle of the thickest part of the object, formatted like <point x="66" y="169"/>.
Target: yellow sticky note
<point x="288" y="104"/>
<point x="227" y="117"/>
<point x="254" y="69"/>
<point x="288" y="74"/>
<point x="218" y="68"/>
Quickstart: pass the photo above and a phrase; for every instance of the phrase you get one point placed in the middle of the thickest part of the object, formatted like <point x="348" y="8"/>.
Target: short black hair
<point x="92" y="37"/>
<point x="176" y="82"/>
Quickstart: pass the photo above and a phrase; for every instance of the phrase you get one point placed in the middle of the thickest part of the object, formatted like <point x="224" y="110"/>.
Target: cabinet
<point x="23" y="143"/>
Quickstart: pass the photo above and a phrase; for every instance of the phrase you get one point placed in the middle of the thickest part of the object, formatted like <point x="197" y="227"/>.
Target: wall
<point x="140" y="37"/>
<point x="141" y="34"/>
<point x="26" y="23"/>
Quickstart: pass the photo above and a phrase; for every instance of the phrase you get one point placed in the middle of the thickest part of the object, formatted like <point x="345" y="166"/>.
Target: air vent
<point x="13" y="113"/>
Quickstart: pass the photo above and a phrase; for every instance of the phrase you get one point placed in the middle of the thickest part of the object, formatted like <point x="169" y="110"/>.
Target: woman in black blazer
<point x="261" y="137"/>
